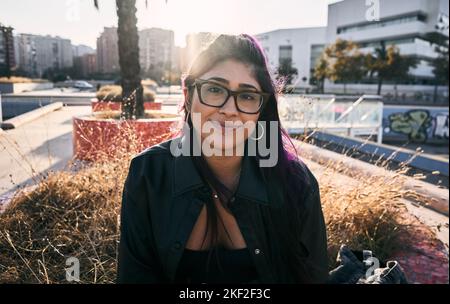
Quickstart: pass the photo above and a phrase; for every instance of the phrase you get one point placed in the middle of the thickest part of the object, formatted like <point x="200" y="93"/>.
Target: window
<point x="383" y="23"/>
<point x="285" y="52"/>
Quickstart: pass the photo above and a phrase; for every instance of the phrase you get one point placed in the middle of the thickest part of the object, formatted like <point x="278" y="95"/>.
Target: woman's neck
<point x="226" y="169"/>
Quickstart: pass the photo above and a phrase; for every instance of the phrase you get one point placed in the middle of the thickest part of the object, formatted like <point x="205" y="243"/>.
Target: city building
<point x="302" y="46"/>
<point x="7" y="54"/>
<point x="195" y="43"/>
<point x="81" y="50"/>
<point x="156" y="49"/>
<point x="85" y="65"/>
<point x="39" y="53"/>
<point x="107" y="51"/>
<point x="403" y="23"/>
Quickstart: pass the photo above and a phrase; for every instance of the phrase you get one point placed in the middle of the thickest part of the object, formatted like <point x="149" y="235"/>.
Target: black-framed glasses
<point x="216" y="95"/>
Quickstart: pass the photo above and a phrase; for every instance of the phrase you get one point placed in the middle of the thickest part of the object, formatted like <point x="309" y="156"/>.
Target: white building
<point x="403" y="23"/>
<point x="301" y="45"/>
<point x="37" y="53"/>
<point x="156" y="47"/>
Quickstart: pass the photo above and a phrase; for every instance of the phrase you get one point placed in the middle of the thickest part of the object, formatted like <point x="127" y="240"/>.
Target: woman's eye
<point x="213" y="89"/>
<point x="247" y="97"/>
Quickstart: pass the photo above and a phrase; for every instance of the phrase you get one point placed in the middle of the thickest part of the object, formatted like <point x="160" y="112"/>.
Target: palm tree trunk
<point x="132" y="91"/>
<point x="380" y="83"/>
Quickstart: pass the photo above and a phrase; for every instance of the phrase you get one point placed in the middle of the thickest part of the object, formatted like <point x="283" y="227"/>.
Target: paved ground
<point x="41" y="145"/>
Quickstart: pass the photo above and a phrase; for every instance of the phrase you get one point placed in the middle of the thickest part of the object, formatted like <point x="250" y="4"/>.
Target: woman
<point x="220" y="216"/>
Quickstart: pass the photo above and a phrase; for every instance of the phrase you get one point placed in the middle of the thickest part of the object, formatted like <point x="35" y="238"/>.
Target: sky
<point x="79" y="21"/>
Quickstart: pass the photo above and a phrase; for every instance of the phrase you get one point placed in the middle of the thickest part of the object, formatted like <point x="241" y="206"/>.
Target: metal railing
<point x="302" y="113"/>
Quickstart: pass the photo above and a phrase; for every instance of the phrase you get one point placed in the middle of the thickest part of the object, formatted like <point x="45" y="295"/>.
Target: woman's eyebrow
<point x="241" y="85"/>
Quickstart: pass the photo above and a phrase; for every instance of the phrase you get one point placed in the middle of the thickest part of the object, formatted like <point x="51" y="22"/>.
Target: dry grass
<point x="114" y="93"/>
<point x="149" y="82"/>
<point x="149" y="114"/>
<point x="69" y="214"/>
<point x="15" y="79"/>
<point x="76" y="214"/>
<point x="364" y="214"/>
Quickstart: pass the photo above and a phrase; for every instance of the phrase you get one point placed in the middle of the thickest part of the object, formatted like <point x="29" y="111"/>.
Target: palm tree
<point x="128" y="40"/>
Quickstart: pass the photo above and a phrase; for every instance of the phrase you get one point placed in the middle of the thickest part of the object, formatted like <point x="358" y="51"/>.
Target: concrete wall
<point x="7" y="88"/>
<point x="423" y="124"/>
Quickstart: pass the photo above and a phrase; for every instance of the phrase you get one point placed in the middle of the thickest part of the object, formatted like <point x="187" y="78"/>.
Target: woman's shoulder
<point x="156" y="152"/>
<point x="307" y="177"/>
<point x="152" y="161"/>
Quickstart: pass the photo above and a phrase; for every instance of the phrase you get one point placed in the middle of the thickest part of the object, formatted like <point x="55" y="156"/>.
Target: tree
<point x="286" y="70"/>
<point x="345" y="62"/>
<point x="440" y="63"/>
<point x="128" y="40"/>
<point x="321" y="72"/>
<point x="389" y="64"/>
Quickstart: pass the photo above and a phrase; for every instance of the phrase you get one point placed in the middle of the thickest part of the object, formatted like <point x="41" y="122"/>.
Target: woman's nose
<point x="229" y="108"/>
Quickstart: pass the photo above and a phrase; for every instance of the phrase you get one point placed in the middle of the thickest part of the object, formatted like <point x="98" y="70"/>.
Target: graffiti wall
<point x="418" y="124"/>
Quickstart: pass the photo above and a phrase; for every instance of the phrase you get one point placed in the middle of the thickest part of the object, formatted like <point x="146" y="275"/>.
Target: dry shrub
<point x="15" y="79"/>
<point x="148" y="114"/>
<point x="365" y="215"/>
<point x="72" y="213"/>
<point x="114" y="93"/>
<point x="69" y="214"/>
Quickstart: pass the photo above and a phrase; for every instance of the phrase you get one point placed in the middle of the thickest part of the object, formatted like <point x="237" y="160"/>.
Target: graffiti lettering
<point x="413" y="123"/>
<point x="441" y="126"/>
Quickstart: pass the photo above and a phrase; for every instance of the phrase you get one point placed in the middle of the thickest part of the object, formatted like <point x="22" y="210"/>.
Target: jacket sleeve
<point x="314" y="237"/>
<point x="137" y="262"/>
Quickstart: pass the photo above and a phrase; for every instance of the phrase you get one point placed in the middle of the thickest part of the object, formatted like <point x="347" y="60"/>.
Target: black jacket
<point x="162" y="199"/>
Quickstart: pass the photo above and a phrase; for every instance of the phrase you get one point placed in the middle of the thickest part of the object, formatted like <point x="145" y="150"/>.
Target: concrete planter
<point x="98" y="106"/>
<point x="95" y="138"/>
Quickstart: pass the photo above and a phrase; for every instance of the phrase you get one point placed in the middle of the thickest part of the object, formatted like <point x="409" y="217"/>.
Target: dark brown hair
<point x="289" y="170"/>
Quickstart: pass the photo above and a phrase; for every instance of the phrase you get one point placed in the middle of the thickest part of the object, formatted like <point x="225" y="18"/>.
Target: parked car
<point x="83" y="85"/>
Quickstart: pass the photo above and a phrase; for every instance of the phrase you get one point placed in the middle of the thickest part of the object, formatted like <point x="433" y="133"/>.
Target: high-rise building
<point x="107" y="51"/>
<point x="195" y="43"/>
<point x="39" y="53"/>
<point x="156" y="47"/>
<point x="81" y="50"/>
<point x="7" y="54"/>
<point x="85" y="65"/>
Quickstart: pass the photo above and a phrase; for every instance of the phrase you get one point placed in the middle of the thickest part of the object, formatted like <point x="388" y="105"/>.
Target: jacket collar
<point x="251" y="183"/>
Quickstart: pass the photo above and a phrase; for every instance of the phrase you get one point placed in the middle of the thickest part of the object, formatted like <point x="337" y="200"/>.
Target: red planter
<point x="98" y="106"/>
<point x="95" y="139"/>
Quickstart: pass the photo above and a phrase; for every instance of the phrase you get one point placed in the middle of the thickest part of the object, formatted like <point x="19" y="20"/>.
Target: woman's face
<point x="224" y="128"/>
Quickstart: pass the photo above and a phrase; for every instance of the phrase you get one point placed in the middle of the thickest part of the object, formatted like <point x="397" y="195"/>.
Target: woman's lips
<point x="227" y="125"/>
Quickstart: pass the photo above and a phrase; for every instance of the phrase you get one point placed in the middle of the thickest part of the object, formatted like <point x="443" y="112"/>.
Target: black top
<point x="230" y="266"/>
<point x="163" y="197"/>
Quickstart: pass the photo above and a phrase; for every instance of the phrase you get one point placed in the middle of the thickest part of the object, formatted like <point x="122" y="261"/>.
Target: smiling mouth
<point x="227" y="125"/>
